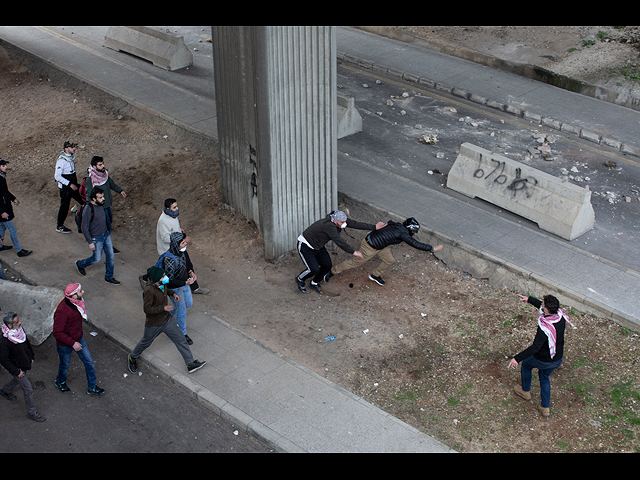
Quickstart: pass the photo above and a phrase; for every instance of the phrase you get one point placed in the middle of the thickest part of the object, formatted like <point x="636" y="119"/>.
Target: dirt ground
<point x="599" y="55"/>
<point x="430" y="347"/>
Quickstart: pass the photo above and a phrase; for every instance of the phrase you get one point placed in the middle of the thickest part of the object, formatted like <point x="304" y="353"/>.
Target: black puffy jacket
<point x="393" y="234"/>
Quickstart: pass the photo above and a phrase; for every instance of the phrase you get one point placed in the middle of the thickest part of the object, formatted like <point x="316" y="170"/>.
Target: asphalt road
<point x="391" y="141"/>
<point x="138" y="413"/>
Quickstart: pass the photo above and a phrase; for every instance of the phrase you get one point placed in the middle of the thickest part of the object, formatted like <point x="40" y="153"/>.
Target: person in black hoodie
<point x="16" y="356"/>
<point x="378" y="242"/>
<point x="546" y="351"/>
<point x="311" y="246"/>
<point x="6" y="213"/>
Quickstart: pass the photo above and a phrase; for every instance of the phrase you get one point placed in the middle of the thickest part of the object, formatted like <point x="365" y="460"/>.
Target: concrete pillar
<point x="276" y="109"/>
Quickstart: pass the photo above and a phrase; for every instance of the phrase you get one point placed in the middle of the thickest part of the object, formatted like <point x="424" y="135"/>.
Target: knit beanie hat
<point x="155" y="273"/>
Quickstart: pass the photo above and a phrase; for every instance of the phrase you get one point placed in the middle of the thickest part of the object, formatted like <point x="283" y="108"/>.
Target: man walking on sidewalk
<point x="67" y="330"/>
<point x="65" y="175"/>
<point x="378" y="242"/>
<point x="17" y="356"/>
<point x="159" y="319"/>
<point x="6" y="213"/>
<point x="96" y="233"/>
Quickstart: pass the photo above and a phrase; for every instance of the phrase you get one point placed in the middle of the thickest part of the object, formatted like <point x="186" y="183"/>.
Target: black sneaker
<point x="96" y="391"/>
<point x="300" y="284"/>
<point x="81" y="270"/>
<point x="63" y="229"/>
<point x="378" y="280"/>
<point x="316" y="287"/>
<point x="112" y="281"/>
<point x="195" y="365"/>
<point x="5" y="247"/>
<point x="133" y="365"/>
<point x="36" y="417"/>
<point x="327" y="276"/>
<point x="8" y="396"/>
<point x="188" y="339"/>
<point x="116" y="251"/>
<point x="24" y="253"/>
<point x="62" y="386"/>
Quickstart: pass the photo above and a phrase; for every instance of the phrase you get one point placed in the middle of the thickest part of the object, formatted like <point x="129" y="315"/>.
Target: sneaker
<point x="316" y="287"/>
<point x="188" y="339"/>
<point x="521" y="393"/>
<point x="36" y="417"/>
<point x="195" y="365"/>
<point x="112" y="281"/>
<point x="133" y="364"/>
<point x="81" y="270"/>
<point x="300" y="285"/>
<point x="378" y="280"/>
<point x="327" y="276"/>
<point x="62" y="386"/>
<point x="24" y="253"/>
<point x="5" y="247"/>
<point x="8" y="396"/>
<point x="96" y="391"/>
<point x="201" y="291"/>
<point x="115" y="251"/>
<point x="63" y="229"/>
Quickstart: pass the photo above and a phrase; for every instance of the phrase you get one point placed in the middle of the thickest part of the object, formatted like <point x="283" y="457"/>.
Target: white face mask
<point x="344" y="225"/>
<point x="183" y="249"/>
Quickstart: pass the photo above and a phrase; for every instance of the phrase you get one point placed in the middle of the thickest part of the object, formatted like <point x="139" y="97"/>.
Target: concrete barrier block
<point x="558" y="207"/>
<point x="166" y="50"/>
<point x="35" y="305"/>
<point x="349" y="120"/>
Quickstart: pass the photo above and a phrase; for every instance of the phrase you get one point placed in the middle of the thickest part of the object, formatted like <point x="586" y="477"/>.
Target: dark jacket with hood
<point x="323" y="231"/>
<point x="5" y="200"/>
<point x="176" y="264"/>
<point x="393" y="234"/>
<point x="154" y="301"/>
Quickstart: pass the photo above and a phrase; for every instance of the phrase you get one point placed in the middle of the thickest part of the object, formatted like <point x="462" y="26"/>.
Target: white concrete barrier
<point x="558" y="207"/>
<point x="349" y="120"/>
<point x="166" y="50"/>
<point x="35" y="305"/>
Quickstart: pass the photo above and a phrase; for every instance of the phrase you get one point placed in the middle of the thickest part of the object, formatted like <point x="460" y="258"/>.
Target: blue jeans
<point x="13" y="233"/>
<point x="65" y="356"/>
<point x="544" y="370"/>
<point x="186" y="300"/>
<point x="103" y="242"/>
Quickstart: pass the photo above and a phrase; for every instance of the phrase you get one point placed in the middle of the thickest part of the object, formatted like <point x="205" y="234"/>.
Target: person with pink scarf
<point x="546" y="351"/>
<point x="67" y="330"/>
<point x="17" y="356"/>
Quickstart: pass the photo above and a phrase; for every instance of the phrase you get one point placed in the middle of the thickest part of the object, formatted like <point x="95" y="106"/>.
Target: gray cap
<point x="340" y="216"/>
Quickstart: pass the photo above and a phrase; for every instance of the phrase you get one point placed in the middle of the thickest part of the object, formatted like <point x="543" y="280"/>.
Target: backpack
<point x="79" y="215"/>
<point x="159" y="262"/>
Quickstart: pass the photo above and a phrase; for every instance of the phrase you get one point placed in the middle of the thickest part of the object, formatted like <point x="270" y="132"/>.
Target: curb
<point x="580" y="132"/>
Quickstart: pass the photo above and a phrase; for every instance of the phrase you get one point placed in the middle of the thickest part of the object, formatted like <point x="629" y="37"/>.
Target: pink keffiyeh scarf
<point x="98" y="178"/>
<point x="72" y="289"/>
<point x="546" y="324"/>
<point x="16" y="335"/>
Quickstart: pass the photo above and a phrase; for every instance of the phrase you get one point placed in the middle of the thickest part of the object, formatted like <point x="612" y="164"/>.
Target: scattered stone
<point x="429" y="139"/>
<point x="610" y="164"/>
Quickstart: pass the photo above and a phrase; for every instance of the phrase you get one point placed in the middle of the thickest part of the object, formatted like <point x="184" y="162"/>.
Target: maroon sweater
<point x="67" y="324"/>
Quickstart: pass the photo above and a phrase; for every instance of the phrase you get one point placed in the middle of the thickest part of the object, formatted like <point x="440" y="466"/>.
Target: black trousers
<point x="66" y="194"/>
<point x="318" y="262"/>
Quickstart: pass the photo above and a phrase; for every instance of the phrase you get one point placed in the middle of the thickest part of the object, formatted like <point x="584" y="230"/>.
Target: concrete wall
<point x="276" y="109"/>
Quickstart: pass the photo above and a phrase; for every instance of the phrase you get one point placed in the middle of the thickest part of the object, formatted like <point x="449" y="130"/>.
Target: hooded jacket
<point x="154" y="301"/>
<point x="65" y="173"/>
<point x="6" y="197"/>
<point x="176" y="264"/>
<point x="393" y="234"/>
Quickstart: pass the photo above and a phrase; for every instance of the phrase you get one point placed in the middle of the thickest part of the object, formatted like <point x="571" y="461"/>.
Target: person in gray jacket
<point x="65" y="175"/>
<point x="311" y="246"/>
<point x="378" y="242"/>
<point x="96" y="233"/>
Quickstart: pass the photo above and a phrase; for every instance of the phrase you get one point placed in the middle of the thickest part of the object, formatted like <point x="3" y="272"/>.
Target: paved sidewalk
<point x="280" y="402"/>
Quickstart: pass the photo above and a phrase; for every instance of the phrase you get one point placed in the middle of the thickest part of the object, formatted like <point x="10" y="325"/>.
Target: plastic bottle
<point x="328" y="339"/>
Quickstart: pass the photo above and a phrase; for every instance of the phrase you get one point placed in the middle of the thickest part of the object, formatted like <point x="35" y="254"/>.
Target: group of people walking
<point x="172" y="277"/>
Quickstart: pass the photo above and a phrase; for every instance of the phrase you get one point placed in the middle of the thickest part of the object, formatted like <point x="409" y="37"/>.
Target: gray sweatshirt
<point x="92" y="228"/>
